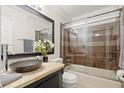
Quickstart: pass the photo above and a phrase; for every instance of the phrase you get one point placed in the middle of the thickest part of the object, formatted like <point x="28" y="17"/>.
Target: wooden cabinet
<point x="53" y="80"/>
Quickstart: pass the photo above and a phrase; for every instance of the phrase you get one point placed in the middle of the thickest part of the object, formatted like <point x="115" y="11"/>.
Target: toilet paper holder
<point x="120" y="75"/>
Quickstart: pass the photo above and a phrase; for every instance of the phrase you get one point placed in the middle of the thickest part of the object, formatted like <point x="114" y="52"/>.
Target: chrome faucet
<point x="5" y="53"/>
<point x="5" y="56"/>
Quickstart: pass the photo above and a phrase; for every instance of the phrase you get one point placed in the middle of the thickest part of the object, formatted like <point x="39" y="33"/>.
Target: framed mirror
<point x="21" y="26"/>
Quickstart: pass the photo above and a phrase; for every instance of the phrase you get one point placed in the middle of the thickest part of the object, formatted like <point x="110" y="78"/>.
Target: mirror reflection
<point x="21" y="28"/>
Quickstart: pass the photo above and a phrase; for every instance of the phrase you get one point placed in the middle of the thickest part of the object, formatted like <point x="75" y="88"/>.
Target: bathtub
<point x="90" y="77"/>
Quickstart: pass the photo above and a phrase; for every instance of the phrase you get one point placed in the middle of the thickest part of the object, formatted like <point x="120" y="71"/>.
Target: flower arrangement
<point x="43" y="46"/>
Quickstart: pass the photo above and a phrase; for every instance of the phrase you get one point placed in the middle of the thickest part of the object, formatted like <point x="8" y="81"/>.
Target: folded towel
<point x="6" y="79"/>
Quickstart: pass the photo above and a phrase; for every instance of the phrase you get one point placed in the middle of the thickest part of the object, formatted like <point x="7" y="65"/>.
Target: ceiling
<point x="73" y="11"/>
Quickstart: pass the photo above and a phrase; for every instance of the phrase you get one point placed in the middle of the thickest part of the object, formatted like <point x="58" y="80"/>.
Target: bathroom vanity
<point x="48" y="76"/>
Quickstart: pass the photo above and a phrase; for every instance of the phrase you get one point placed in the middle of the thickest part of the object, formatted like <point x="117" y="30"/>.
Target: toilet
<point x="69" y="79"/>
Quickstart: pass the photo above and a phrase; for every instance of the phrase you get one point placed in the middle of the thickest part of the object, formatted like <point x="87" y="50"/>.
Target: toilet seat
<point x="69" y="77"/>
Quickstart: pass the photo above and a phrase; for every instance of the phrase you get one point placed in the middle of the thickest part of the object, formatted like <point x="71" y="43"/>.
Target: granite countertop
<point x="30" y="77"/>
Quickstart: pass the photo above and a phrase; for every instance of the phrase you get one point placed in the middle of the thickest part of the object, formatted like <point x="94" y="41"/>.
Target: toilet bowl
<point x="69" y="79"/>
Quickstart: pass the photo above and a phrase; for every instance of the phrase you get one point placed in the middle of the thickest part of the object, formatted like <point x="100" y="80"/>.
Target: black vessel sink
<point x="25" y="66"/>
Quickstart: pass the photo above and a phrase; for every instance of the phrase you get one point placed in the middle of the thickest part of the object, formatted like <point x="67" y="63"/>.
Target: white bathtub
<point x="90" y="77"/>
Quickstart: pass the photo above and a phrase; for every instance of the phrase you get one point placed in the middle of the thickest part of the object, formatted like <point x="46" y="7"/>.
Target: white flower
<point x="43" y="47"/>
<point x="45" y="41"/>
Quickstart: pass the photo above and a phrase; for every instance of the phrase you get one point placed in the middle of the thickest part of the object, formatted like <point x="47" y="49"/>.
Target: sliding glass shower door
<point x="93" y="44"/>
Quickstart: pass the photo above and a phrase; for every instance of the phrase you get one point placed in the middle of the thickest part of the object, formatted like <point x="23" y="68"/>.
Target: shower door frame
<point x="63" y="43"/>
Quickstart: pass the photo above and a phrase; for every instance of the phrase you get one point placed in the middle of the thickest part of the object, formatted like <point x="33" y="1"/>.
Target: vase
<point x="45" y="59"/>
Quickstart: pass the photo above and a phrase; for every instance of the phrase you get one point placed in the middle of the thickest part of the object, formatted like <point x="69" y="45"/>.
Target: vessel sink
<point x="25" y="66"/>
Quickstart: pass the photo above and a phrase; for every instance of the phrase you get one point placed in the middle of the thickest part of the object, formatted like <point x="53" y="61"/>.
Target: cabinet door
<point x="51" y="83"/>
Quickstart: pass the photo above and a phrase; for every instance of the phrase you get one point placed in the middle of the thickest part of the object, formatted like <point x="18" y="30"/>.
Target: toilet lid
<point x="69" y="77"/>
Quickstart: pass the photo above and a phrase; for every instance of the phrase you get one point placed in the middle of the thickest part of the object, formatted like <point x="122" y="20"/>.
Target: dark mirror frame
<point x="35" y="12"/>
